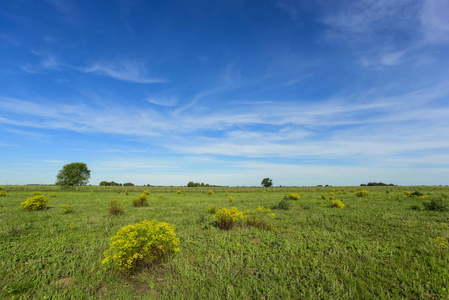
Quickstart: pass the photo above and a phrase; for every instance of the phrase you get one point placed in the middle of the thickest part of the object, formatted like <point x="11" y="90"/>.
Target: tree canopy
<point x="73" y="174"/>
<point x="267" y="182"/>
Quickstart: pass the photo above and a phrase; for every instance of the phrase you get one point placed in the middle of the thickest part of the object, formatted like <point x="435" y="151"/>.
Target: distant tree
<point x="105" y="183"/>
<point x="267" y="182"/>
<point x="128" y="184"/>
<point x="73" y="174"/>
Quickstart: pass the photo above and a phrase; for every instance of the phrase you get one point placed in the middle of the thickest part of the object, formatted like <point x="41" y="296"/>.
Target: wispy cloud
<point x="126" y="71"/>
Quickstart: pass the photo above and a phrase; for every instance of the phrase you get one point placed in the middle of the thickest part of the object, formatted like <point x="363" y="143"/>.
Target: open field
<point x="376" y="247"/>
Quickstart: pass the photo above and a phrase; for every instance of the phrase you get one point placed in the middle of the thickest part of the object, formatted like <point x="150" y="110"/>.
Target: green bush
<point x="436" y="205"/>
<point x="115" y="208"/>
<point x="284" y="205"/>
<point x="141" y="244"/>
<point x="65" y="209"/>
<point x="212" y="209"/>
<point x="35" y="203"/>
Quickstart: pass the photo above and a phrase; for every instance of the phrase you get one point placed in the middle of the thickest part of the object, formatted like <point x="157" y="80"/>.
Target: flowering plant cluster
<point x="2" y="193"/>
<point x="210" y="192"/>
<point x="293" y="196"/>
<point x="260" y="217"/>
<point x="35" y="203"/>
<point x="141" y="201"/>
<point x="228" y="218"/>
<point x="141" y="244"/>
<point x="361" y="193"/>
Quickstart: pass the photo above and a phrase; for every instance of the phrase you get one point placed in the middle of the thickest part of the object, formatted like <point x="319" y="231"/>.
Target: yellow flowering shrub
<point x="230" y="198"/>
<point x="141" y="244"/>
<point x="260" y="217"/>
<point x="52" y="194"/>
<point x="442" y="243"/>
<point x="293" y="196"/>
<point x="35" y="193"/>
<point x="337" y="203"/>
<point x="141" y="201"/>
<point x="361" y="193"/>
<point x="2" y="193"/>
<point x="146" y="193"/>
<point x="210" y="192"/>
<point x="35" y="203"/>
<point x="228" y="218"/>
<point x="324" y="197"/>
<point x="178" y="192"/>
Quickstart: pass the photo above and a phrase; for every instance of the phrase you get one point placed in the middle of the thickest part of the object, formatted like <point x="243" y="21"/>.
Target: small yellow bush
<point x="52" y="194"/>
<point x="178" y="192"/>
<point x="210" y="192"/>
<point x="2" y="193"/>
<point x="260" y="217"/>
<point x="35" y="203"/>
<point x="147" y="193"/>
<point x="141" y="244"/>
<point x="293" y="196"/>
<point x="228" y="218"/>
<point x="212" y="209"/>
<point x="230" y="198"/>
<point x="324" y="197"/>
<point x="362" y="193"/>
<point x="141" y="201"/>
<point x="337" y="203"/>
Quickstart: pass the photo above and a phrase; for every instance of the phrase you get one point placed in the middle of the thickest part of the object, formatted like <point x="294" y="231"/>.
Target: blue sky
<point x="226" y="92"/>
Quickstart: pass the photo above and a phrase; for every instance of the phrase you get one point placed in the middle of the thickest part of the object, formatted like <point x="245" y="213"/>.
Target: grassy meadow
<point x="379" y="246"/>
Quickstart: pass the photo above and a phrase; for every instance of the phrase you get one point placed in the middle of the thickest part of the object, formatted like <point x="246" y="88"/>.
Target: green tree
<point x="73" y="174"/>
<point x="267" y="182"/>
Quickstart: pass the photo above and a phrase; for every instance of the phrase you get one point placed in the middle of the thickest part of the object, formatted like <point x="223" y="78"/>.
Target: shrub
<point x="141" y="201"/>
<point x="178" y="192"/>
<point x="361" y="193"/>
<point x="210" y="192"/>
<point x="35" y="193"/>
<point x="324" y="197"/>
<point x="293" y="196"/>
<point x="126" y="192"/>
<point x="260" y="218"/>
<point x="2" y="193"/>
<point x="52" y="194"/>
<point x="228" y="218"/>
<point x="146" y="193"/>
<point x="284" y="205"/>
<point x="337" y="203"/>
<point x="436" y="205"/>
<point x="35" y="203"/>
<point x="230" y="198"/>
<point x="65" y="209"/>
<point x="407" y="194"/>
<point x="161" y="196"/>
<point x="141" y="244"/>
<point x="115" y="208"/>
<point x="416" y="194"/>
<point x="415" y="207"/>
<point x="212" y="209"/>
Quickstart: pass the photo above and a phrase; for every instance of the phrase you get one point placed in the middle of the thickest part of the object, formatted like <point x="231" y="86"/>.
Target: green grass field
<point x="376" y="247"/>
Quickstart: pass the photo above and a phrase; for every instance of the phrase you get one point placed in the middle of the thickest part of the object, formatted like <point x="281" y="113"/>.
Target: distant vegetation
<point x="376" y="184"/>
<point x="113" y="183"/>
